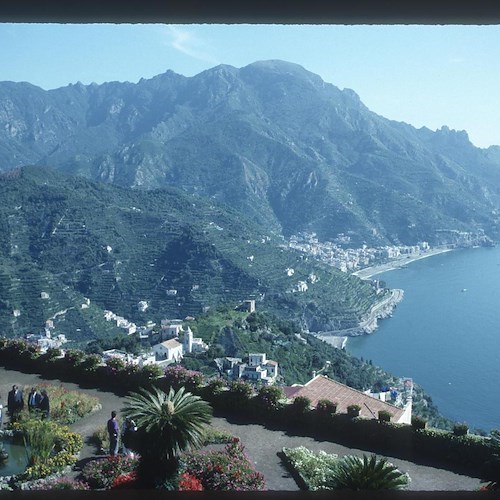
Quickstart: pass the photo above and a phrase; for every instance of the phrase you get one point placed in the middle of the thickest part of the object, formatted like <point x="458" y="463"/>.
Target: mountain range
<point x="270" y="140"/>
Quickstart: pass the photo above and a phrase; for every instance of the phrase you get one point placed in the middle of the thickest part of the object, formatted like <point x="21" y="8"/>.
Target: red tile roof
<point x="321" y="387"/>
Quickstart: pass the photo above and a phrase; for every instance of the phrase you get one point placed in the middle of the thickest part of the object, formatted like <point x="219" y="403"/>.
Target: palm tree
<point x="167" y="425"/>
<point x="367" y="473"/>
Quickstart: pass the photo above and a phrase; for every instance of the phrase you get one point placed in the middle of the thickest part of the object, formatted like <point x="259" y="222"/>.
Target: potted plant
<point x="353" y="410"/>
<point x="384" y="416"/>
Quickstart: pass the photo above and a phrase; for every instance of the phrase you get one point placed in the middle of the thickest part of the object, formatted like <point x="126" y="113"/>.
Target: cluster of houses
<point x="45" y="340"/>
<point x="351" y="259"/>
<point x="257" y="369"/>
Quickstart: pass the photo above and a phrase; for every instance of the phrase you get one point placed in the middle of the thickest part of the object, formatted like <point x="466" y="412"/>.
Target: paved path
<point x="262" y="445"/>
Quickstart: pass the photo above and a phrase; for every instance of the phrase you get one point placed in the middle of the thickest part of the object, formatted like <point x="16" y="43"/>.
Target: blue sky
<point x="423" y="75"/>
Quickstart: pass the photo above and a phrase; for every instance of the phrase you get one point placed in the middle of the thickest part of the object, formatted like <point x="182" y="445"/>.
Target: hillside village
<point x="337" y="253"/>
<point x="168" y="344"/>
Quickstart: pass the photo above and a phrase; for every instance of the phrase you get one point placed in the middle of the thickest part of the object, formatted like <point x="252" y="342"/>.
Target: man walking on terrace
<point x="113" y="431"/>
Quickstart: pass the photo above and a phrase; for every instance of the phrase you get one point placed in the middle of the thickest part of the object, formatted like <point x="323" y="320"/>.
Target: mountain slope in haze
<point x="147" y="255"/>
<point x="271" y="140"/>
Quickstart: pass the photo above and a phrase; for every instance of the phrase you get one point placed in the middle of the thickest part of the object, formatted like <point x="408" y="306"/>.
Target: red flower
<point x="124" y="480"/>
<point x="188" y="482"/>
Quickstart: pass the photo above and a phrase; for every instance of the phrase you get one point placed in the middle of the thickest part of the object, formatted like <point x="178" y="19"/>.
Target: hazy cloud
<point x="188" y="43"/>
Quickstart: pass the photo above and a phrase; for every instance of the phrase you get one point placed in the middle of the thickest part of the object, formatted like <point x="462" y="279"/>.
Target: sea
<point x="445" y="334"/>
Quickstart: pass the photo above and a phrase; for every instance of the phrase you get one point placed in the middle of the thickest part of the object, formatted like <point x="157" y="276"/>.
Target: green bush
<point x="269" y="399"/>
<point x="460" y="430"/>
<point x="367" y="473"/>
<point x="353" y="410"/>
<point x="418" y="422"/>
<point x="325" y="407"/>
<point x="384" y="416"/>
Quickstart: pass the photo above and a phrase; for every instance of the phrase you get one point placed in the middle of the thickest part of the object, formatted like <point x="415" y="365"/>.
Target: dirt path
<point x="262" y="445"/>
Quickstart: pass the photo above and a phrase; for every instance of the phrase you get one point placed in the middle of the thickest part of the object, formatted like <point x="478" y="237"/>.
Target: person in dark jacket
<point x="113" y="431"/>
<point x="128" y="434"/>
<point x="44" y="405"/>
<point x="34" y="398"/>
<point x="15" y="402"/>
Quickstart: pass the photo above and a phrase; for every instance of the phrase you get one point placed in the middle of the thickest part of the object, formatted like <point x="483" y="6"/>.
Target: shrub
<point x="228" y="470"/>
<point x="269" y="398"/>
<point x="314" y="469"/>
<point x="460" y="429"/>
<point x="177" y="376"/>
<point x="325" y="407"/>
<point x="239" y="395"/>
<point x="74" y="357"/>
<point x="51" y="447"/>
<point x="353" y="410"/>
<point x="418" y="422"/>
<point x="91" y="362"/>
<point x="301" y="405"/>
<point x="216" y="386"/>
<point x="101" y="473"/>
<point x="367" y="473"/>
<point x="115" y="365"/>
<point x="100" y="438"/>
<point x="384" y="416"/>
<point x="216" y="436"/>
<point x="150" y="372"/>
<point x="60" y="483"/>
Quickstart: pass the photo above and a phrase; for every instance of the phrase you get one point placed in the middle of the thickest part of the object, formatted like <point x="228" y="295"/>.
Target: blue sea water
<point x="445" y="334"/>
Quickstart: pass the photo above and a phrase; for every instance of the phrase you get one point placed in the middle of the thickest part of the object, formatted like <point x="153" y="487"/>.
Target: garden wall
<point x="238" y="400"/>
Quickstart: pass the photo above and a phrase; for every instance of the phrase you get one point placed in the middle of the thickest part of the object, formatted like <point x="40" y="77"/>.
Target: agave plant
<point x="168" y="423"/>
<point x="367" y="473"/>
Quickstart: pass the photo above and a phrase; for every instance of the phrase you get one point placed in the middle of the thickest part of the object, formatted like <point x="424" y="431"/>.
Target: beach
<point x="368" y="272"/>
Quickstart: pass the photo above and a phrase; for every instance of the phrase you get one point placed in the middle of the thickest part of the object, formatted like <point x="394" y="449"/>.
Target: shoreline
<point x="368" y="272"/>
<point x="381" y="310"/>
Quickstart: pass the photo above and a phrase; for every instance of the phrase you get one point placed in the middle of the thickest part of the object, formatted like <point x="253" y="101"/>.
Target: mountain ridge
<point x="272" y="140"/>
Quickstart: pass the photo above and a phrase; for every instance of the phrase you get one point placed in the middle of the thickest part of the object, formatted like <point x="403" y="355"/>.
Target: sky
<point x="422" y="75"/>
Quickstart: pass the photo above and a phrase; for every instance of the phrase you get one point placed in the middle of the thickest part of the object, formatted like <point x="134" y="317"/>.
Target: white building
<point x="169" y="350"/>
<point x="258" y="368"/>
<point x="141" y="360"/>
<point x="193" y="344"/>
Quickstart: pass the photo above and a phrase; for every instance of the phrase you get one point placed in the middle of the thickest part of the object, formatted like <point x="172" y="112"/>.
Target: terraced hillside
<point x="67" y="239"/>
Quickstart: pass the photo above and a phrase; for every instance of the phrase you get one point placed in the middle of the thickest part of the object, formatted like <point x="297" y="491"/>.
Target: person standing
<point x="113" y="431"/>
<point x="44" y="404"/>
<point x="15" y="402"/>
<point x="128" y="431"/>
<point x="34" y="398"/>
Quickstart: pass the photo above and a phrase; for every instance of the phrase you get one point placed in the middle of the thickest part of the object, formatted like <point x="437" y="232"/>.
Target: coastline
<point x="381" y="310"/>
<point x="368" y="272"/>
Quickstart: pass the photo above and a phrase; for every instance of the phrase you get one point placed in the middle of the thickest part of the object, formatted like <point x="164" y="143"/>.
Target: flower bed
<point x="313" y="469"/>
<point x="321" y="470"/>
<point x="52" y="447"/>
<point x="228" y="470"/>
<point x="103" y="472"/>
